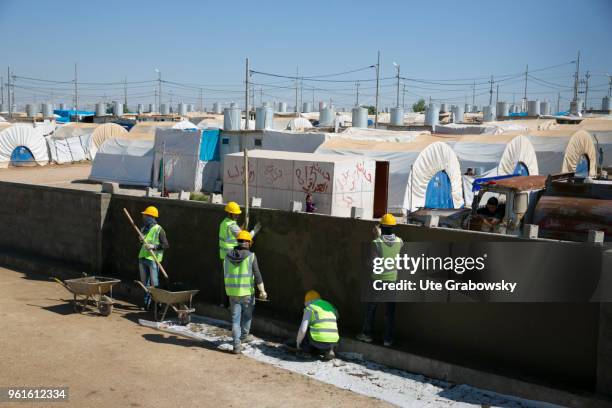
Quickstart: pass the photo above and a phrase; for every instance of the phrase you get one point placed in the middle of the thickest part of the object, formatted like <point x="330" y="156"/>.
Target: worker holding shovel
<point x="154" y="242"/>
<point x="240" y="275"/>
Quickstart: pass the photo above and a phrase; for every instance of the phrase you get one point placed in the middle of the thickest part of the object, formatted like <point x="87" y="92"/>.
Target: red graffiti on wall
<point x="313" y="179"/>
<point x="349" y="180"/>
<point x="237" y="172"/>
<point x="272" y="174"/>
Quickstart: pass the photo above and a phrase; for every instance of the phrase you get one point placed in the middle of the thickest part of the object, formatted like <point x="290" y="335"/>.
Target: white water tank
<point x="163" y="109"/>
<point x="533" y="108"/>
<point x="443" y="108"/>
<point x="326" y="117"/>
<point x="322" y="105"/>
<point x="360" y="117"/>
<point x="47" y="110"/>
<point x="31" y="110"/>
<point x="3" y="107"/>
<point x="232" y="117"/>
<point x="307" y="107"/>
<point x="118" y="109"/>
<point x="263" y="117"/>
<point x="182" y="109"/>
<point x="467" y="108"/>
<point x="216" y="108"/>
<point x="502" y="109"/>
<point x="488" y="113"/>
<point x="397" y="116"/>
<point x="457" y="114"/>
<point x="544" y="108"/>
<point x="282" y="107"/>
<point x="140" y="109"/>
<point x="605" y="103"/>
<point x="432" y="115"/>
<point x="100" y="109"/>
<point x="152" y="108"/>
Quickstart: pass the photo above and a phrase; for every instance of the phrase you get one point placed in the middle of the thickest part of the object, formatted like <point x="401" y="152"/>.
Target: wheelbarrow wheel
<point x="184" y="318"/>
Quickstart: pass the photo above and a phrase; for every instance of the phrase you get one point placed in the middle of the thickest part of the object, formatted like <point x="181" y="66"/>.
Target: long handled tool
<point x="161" y="268"/>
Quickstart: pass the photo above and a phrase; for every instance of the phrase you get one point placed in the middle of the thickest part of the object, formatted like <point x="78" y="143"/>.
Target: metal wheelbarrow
<point x="179" y="301"/>
<point x="91" y="288"/>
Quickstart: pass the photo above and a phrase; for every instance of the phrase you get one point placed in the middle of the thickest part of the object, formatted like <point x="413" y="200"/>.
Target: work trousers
<point x="241" y="308"/>
<point x="149" y="276"/>
<point x="370" y="317"/>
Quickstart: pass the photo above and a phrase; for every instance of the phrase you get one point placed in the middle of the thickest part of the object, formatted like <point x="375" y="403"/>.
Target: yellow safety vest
<point x="388" y="250"/>
<point x="152" y="237"/>
<point x="227" y="240"/>
<point x="322" y="324"/>
<point x="238" y="278"/>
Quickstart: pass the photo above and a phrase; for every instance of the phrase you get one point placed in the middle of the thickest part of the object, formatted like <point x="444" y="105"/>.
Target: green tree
<point x="371" y="110"/>
<point x="419" y="106"/>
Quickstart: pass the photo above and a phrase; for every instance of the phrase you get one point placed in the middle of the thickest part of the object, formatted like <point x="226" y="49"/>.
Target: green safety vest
<point x="388" y="250"/>
<point x="323" y="326"/>
<point x="152" y="237"/>
<point x="227" y="240"/>
<point x="238" y="278"/>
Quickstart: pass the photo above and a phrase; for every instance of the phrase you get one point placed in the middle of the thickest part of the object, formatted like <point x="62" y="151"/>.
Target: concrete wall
<point x="557" y="343"/>
<point x="59" y="224"/>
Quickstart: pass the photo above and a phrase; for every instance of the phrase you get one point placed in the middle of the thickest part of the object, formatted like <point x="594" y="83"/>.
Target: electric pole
<point x="576" y="78"/>
<point x="246" y="103"/>
<point x="8" y="91"/>
<point x="586" y="90"/>
<point x="201" y="100"/>
<point x="301" y="93"/>
<point x="313" y="99"/>
<point x="525" y="94"/>
<point x="377" y="90"/>
<point x="491" y="91"/>
<point x="497" y="96"/>
<point x="76" y="93"/>
<point x="559" y="102"/>
<point x="474" y="94"/>
<point x="357" y="85"/>
<point x="125" y="102"/>
<point x="398" y="84"/>
<point x="2" y="89"/>
<point x="297" y="74"/>
<point x="403" y="96"/>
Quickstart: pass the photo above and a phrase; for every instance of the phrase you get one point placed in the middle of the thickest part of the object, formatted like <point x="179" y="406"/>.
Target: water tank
<point x="307" y="107"/>
<point x="475" y="109"/>
<point x="282" y="107"/>
<point x="62" y="106"/>
<point x="322" y="105"/>
<point x="360" y="117"/>
<point x="502" y="109"/>
<point x="457" y="114"/>
<point x="3" y="107"/>
<point x="605" y="103"/>
<point x="163" y="109"/>
<point x="544" y="108"/>
<point x="443" y="108"/>
<point x="488" y="113"/>
<point x="182" y="109"/>
<point x="432" y="115"/>
<point x="100" y="109"/>
<point x="140" y="109"/>
<point x="263" y="117"/>
<point x="118" y="109"/>
<point x="31" y="110"/>
<point x="152" y="108"/>
<point x="232" y="117"/>
<point x="47" y="110"/>
<point x="326" y="117"/>
<point x="397" y="116"/>
<point x="216" y="108"/>
<point x="533" y="108"/>
<point x="467" y="108"/>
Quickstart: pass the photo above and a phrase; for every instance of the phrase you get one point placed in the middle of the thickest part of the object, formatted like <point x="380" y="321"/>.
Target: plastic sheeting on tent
<point x="299" y="123"/>
<point x="124" y="161"/>
<point x="209" y="146"/>
<point x="71" y="142"/>
<point x="406" y="190"/>
<point x="23" y="136"/>
<point x="184" y="125"/>
<point x="580" y="145"/>
<point x="104" y="132"/>
<point x="179" y="153"/>
<point x="379" y="135"/>
<point x="146" y="130"/>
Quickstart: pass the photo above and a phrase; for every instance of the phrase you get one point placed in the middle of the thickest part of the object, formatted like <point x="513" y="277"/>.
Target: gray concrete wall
<point x="557" y="343"/>
<point x="59" y="224"/>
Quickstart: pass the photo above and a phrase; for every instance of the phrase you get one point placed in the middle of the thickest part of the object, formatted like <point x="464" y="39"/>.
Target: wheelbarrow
<point x="180" y="301"/>
<point x="92" y="288"/>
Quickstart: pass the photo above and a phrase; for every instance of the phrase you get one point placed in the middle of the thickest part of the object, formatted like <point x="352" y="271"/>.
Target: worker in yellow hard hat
<point x="228" y="231"/>
<point x="318" y="331"/>
<point x="153" y="246"/>
<point x="385" y="245"/>
<point x="240" y="275"/>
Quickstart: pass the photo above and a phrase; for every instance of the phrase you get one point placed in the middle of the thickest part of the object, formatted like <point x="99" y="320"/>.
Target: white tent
<point x="412" y="166"/>
<point x="71" y="142"/>
<point x="184" y="125"/>
<point x="179" y="151"/>
<point x="124" y="161"/>
<point x="299" y="124"/>
<point x="26" y="141"/>
<point x="104" y="132"/>
<point x="557" y="154"/>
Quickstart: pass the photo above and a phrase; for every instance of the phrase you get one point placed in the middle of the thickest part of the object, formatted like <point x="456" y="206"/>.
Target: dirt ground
<point x="114" y="362"/>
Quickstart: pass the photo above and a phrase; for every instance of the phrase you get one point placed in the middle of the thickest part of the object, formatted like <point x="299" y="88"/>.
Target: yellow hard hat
<point x="152" y="211"/>
<point x="311" y="295"/>
<point x="244" y="236"/>
<point x="232" y="208"/>
<point x="388" y="219"/>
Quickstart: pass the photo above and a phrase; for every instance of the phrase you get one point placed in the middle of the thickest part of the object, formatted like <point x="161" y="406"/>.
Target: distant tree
<point x="371" y="110"/>
<point x="419" y="106"/>
<point x="125" y="109"/>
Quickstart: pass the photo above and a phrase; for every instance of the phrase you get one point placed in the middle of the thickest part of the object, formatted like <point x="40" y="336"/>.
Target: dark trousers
<point x="311" y="346"/>
<point x="370" y="317"/>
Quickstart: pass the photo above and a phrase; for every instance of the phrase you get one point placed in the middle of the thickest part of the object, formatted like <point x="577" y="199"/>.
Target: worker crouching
<point x="241" y="274"/>
<point x="152" y="248"/>
<point x="318" y="333"/>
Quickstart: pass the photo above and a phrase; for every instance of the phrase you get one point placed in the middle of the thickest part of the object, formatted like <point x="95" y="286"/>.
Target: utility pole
<point x="159" y="83"/>
<point x="313" y="99"/>
<point x="559" y="102"/>
<point x="586" y="90"/>
<point x="297" y="74"/>
<point x="491" y="91"/>
<point x="576" y="78"/>
<point x="8" y="91"/>
<point x="525" y="94"/>
<point x="246" y="104"/>
<point x="497" y="96"/>
<point x="76" y="93"/>
<point x="377" y="90"/>
<point x="301" y="93"/>
<point x="357" y="85"/>
<point x="398" y="85"/>
<point x="404" y="96"/>
<point x="260" y="96"/>
<point x="2" y="89"/>
<point x="610" y="88"/>
<point x="201" y="100"/>
<point x="474" y="93"/>
<point x="125" y="102"/>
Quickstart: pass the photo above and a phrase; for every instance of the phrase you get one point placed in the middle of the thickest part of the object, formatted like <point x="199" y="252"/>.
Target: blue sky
<point x="203" y="44"/>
